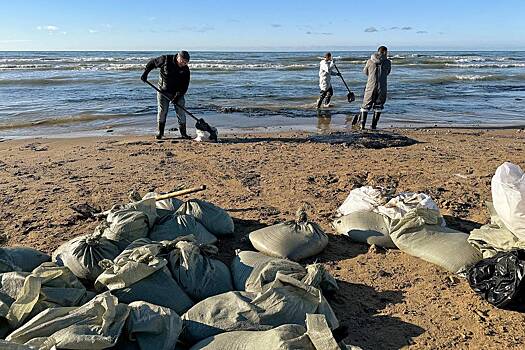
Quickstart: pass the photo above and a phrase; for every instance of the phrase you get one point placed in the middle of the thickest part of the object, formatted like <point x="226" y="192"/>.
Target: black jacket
<point x="172" y="78"/>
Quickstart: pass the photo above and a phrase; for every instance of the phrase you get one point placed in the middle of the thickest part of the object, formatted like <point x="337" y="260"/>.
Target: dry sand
<point x="387" y="300"/>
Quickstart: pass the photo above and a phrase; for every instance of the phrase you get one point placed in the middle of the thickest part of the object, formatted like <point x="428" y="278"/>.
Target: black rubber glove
<point x="144" y="77"/>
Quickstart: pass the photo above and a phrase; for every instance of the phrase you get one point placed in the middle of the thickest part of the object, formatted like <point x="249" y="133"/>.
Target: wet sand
<point x="387" y="299"/>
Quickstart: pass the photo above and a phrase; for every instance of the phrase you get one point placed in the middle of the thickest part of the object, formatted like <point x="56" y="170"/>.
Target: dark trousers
<point x="325" y="94"/>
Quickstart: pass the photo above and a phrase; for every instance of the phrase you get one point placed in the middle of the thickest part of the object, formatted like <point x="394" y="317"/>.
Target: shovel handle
<point x="171" y="100"/>
<point x="180" y="193"/>
<point x="344" y="82"/>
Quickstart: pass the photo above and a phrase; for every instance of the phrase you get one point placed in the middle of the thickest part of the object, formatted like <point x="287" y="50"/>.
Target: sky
<point x="270" y="25"/>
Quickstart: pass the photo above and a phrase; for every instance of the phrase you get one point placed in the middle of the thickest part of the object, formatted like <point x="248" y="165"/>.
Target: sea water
<point x="91" y="93"/>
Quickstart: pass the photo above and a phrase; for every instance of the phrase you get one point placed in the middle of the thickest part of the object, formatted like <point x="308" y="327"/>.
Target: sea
<point x="71" y="94"/>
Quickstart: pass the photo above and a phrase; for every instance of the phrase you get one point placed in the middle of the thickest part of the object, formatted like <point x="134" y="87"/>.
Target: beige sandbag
<point x="420" y="234"/>
<point x="252" y="271"/>
<point x="11" y="283"/>
<point x="7" y="345"/>
<point x="150" y="327"/>
<point x="47" y="286"/>
<point x="94" y="325"/>
<point x="294" y="240"/>
<point x="215" y="219"/>
<point x="139" y="273"/>
<point x="315" y="336"/>
<point x="365" y="227"/>
<point x="285" y="301"/>
<point x="83" y="254"/>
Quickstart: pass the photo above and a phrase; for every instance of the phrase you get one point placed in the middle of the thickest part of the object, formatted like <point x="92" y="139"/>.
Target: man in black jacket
<point x="174" y="78"/>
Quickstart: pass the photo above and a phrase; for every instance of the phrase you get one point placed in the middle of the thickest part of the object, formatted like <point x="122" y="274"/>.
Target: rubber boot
<point x="364" y="115"/>
<point x="375" y="120"/>
<point x="319" y="102"/>
<point x="160" y="132"/>
<point x="183" y="134"/>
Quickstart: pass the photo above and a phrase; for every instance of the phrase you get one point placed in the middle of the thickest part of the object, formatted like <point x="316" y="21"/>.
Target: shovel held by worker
<point x="200" y="123"/>
<point x="350" y="96"/>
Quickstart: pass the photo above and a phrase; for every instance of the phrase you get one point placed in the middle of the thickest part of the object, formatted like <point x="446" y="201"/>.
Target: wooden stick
<point x="180" y="193"/>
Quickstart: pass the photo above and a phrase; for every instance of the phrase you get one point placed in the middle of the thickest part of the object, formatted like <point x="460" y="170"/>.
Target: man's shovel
<point x="350" y="96"/>
<point x="200" y="123"/>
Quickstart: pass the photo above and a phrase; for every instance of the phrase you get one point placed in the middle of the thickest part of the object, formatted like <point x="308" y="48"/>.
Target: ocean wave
<point x="250" y="66"/>
<point x="53" y="81"/>
<point x="466" y="77"/>
<point x="486" y="65"/>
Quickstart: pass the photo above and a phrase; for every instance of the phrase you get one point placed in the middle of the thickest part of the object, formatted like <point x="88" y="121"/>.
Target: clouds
<point x="49" y="29"/>
<point x="318" y="33"/>
<point x="395" y="28"/>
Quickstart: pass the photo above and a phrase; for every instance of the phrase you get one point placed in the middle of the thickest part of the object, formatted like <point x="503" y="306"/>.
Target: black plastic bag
<point x="499" y="280"/>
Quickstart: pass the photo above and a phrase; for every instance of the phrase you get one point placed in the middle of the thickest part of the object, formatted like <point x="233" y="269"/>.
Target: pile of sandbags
<point x="294" y="240"/>
<point x="409" y="221"/>
<point x="215" y="219"/>
<point x="21" y="259"/>
<point x="175" y="225"/>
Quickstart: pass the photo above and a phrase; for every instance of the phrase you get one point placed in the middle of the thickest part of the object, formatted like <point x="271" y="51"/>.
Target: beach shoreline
<point x="387" y="299"/>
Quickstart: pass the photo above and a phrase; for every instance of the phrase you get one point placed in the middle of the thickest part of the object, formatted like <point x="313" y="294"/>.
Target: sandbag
<point x="126" y="223"/>
<point x="83" y="254"/>
<point x="494" y="237"/>
<point x="150" y="327"/>
<point x="21" y="259"/>
<point x="7" y="345"/>
<point x="365" y="227"/>
<point x="199" y="275"/>
<point x="285" y="301"/>
<point x="365" y="198"/>
<point x="294" y="240"/>
<point x="11" y="284"/>
<point x="420" y="234"/>
<point x="252" y="271"/>
<point x="315" y="336"/>
<point x="140" y="274"/>
<point x="173" y="226"/>
<point x="46" y="287"/>
<point x="94" y="325"/>
<point x="499" y="280"/>
<point x="215" y="219"/>
<point x="170" y="204"/>
<point x="508" y="197"/>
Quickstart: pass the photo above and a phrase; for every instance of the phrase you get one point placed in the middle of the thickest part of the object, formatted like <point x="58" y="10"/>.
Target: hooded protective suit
<point x="326" y="70"/>
<point x="377" y="69"/>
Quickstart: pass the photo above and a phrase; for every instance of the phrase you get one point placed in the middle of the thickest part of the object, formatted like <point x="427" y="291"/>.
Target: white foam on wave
<point x="475" y="77"/>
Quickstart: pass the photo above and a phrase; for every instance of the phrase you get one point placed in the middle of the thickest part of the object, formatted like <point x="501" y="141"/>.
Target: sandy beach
<point x="387" y="299"/>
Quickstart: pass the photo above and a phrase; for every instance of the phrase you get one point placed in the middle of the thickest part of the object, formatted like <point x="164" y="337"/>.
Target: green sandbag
<point x="199" y="275"/>
<point x="94" y="325"/>
<point x="47" y="286"/>
<point x="252" y="271"/>
<point x="315" y="336"/>
<point x="7" y="345"/>
<point x="284" y="301"/>
<point x="420" y="234"/>
<point x="21" y="259"/>
<point x="173" y="226"/>
<point x="150" y="327"/>
<point x="140" y="274"/>
<point x="365" y="227"/>
<point x="215" y="219"/>
<point x="83" y="254"/>
<point x="294" y="240"/>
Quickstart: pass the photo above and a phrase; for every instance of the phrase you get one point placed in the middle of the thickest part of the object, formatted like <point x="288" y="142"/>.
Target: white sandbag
<point x="150" y="327"/>
<point x="508" y="197"/>
<point x="170" y="204"/>
<point x="173" y="226"/>
<point x="364" y="198"/>
<point x="21" y="259"/>
<point x="83" y="254"/>
<point x="139" y="273"/>
<point x="11" y="284"/>
<point x="420" y="234"/>
<point x="215" y="219"/>
<point x="315" y="336"/>
<point x="365" y="227"/>
<point x="198" y="274"/>
<point x="294" y="240"/>
<point x="204" y="136"/>
<point x="285" y="301"/>
<point x="94" y="325"/>
<point x="252" y="271"/>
